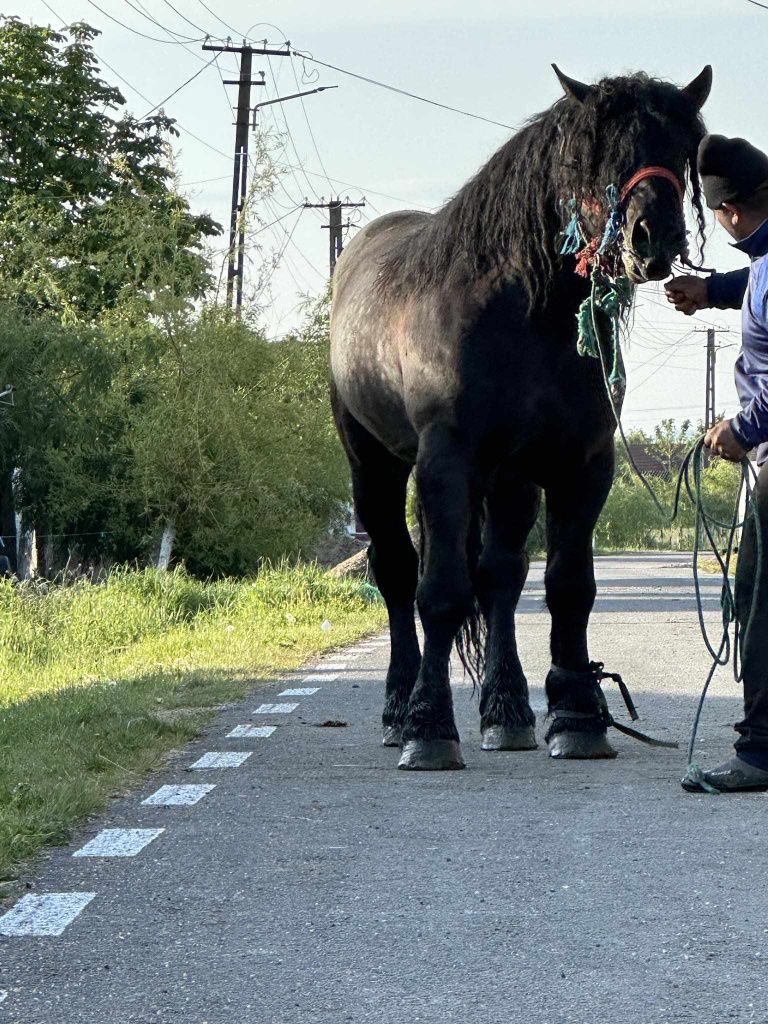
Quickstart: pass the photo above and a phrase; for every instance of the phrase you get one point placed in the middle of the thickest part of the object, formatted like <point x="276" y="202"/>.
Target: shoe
<point x="730" y="777"/>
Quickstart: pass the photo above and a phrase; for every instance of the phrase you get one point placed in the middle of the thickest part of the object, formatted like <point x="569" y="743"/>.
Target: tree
<point x="76" y="181"/>
<point x="234" y="443"/>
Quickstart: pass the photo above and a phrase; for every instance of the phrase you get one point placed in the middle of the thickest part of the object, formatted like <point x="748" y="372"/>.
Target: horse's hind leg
<point x="379" y="482"/>
<point x="507" y="722"/>
<point x="576" y="702"/>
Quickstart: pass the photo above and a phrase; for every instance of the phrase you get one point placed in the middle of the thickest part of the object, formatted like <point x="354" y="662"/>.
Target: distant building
<point x="650" y="463"/>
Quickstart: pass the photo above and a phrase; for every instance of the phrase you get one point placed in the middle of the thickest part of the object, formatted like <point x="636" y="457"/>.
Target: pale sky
<point x="494" y="61"/>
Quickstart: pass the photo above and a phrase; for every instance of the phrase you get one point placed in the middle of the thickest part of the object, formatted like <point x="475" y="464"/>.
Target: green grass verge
<point x="98" y="683"/>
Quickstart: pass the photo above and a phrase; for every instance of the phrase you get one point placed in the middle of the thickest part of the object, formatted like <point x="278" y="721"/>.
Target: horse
<point x="453" y="355"/>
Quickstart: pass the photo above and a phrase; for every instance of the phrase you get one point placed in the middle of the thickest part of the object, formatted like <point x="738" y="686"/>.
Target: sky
<point x="491" y="58"/>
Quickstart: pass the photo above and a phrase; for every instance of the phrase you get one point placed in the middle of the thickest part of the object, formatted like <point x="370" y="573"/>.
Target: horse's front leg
<point x="507" y="722"/>
<point x="444" y="597"/>
<point x="577" y="707"/>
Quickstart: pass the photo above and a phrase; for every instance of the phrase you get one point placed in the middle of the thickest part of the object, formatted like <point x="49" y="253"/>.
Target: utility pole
<point x="236" y="259"/>
<point x="334" y="225"/>
<point x="243" y="124"/>
<point x="712" y="347"/>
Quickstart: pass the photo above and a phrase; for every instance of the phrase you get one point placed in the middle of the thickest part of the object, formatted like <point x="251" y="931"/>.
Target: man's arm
<point x="689" y="294"/>
<point x="750" y="426"/>
<point x="726" y="291"/>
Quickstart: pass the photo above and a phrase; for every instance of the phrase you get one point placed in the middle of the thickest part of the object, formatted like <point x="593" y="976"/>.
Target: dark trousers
<point x="752" y="608"/>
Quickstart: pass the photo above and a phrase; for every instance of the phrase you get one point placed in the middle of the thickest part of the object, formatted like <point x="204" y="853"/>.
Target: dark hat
<point x="731" y="170"/>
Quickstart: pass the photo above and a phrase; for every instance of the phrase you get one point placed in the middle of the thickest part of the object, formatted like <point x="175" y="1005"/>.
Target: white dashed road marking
<point x="318" y="677"/>
<point x="222" y="759"/>
<point x="251" y="732"/>
<point x="47" y="914"/>
<point x="119" y="842"/>
<point x="332" y="666"/>
<point x="169" y="796"/>
<point x="3" y="995"/>
<point x="300" y="691"/>
<point x="275" y="709"/>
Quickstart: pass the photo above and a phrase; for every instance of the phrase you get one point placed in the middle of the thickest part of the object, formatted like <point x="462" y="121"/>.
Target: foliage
<point x="98" y="683"/>
<point x="234" y="442"/>
<point x="201" y="420"/>
<point x="630" y="518"/>
<point x="88" y="202"/>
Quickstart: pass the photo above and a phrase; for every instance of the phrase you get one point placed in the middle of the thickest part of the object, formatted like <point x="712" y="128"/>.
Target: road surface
<point x="315" y="883"/>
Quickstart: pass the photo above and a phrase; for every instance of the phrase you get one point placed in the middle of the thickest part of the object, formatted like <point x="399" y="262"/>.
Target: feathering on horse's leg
<point x="577" y="706"/>
<point x="445" y="598"/>
<point x="507" y="721"/>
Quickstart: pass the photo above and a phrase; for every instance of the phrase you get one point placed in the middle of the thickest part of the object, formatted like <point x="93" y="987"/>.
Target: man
<point x="734" y="177"/>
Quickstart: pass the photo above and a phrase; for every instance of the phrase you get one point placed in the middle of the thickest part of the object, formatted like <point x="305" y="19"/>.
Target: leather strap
<point x="652" y="172"/>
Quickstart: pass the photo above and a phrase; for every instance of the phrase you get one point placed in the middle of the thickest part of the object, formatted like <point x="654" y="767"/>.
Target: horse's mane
<point x="509" y="214"/>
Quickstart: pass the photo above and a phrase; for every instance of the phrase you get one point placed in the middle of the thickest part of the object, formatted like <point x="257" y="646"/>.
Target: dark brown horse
<point x="453" y="349"/>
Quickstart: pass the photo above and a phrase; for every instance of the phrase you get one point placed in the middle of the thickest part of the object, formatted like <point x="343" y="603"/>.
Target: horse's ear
<point x="571" y="87"/>
<point x="698" y="90"/>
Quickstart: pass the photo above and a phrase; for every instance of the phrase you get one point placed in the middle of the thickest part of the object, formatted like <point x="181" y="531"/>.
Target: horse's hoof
<point x="502" y="737"/>
<point x="431" y="756"/>
<point x="392" y="736"/>
<point x="580" y="746"/>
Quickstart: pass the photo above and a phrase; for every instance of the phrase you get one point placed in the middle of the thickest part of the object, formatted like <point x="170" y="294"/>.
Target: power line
<point x="665" y="305"/>
<point x="219" y="18"/>
<point x="205" y="181"/>
<point x="139" y="7"/>
<point x="279" y="256"/>
<point x="652" y="373"/>
<point x="403" y="92"/>
<point x="129" y="28"/>
<point x="223" y="86"/>
<point x="175" y="10"/>
<point x="309" y="126"/>
<point x="179" y="37"/>
<point x="203" y="142"/>
<point x="146" y="99"/>
<point x="289" y="135"/>
<point x="179" y="88"/>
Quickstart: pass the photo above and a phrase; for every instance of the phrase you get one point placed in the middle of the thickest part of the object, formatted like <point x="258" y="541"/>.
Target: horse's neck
<point x="565" y="294"/>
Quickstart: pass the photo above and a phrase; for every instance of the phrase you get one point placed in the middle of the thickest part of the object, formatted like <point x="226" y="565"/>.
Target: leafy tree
<point x="234" y="443"/>
<point x="77" y="181"/>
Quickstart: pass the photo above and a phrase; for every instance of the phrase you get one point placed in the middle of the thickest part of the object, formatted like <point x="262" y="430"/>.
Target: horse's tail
<point x="471" y="638"/>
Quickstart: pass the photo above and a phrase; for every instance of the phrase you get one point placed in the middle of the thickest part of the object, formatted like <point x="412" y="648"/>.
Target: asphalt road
<point x="315" y="883"/>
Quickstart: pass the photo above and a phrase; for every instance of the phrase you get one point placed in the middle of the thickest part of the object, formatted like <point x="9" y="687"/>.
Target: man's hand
<point x="721" y="440"/>
<point x="687" y="294"/>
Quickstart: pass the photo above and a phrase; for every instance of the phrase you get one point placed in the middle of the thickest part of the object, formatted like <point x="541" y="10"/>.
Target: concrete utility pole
<point x="712" y="347"/>
<point x="236" y="260"/>
<point x="334" y="225"/>
<point x="243" y="125"/>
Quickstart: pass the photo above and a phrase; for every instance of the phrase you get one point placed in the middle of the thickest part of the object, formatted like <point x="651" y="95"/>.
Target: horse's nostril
<point x="657" y="269"/>
<point x="641" y="237"/>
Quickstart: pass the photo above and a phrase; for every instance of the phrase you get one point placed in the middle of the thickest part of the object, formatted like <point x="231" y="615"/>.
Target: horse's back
<point x="375" y="246"/>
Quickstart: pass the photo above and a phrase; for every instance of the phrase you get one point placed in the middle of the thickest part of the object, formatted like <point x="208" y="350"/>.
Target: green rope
<point x="612" y="297"/>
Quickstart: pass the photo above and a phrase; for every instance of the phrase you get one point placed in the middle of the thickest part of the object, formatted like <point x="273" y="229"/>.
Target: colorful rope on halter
<point x="611" y="292"/>
<point x="587" y="251"/>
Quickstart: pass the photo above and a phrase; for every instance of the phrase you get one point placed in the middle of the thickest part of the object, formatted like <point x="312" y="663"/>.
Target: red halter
<point x="652" y="172"/>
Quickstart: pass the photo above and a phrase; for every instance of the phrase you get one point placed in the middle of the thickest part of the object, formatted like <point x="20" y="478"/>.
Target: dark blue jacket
<point x="748" y="288"/>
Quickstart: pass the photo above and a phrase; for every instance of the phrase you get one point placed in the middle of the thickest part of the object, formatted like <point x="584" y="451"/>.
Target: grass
<point x="99" y="683"/>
